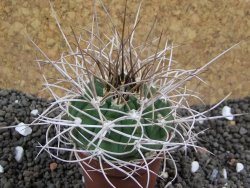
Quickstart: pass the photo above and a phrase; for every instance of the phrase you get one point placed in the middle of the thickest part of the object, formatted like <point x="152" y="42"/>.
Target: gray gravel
<point x="228" y="142"/>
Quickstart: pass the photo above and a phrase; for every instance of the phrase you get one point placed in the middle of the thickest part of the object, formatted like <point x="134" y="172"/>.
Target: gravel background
<point x="228" y="140"/>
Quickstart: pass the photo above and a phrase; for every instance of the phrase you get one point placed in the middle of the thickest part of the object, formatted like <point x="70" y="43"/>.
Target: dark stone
<point x="27" y="173"/>
<point x="8" y="185"/>
<point x="2" y="113"/>
<point x="50" y="185"/>
<point x="4" y="93"/>
<point x="39" y="184"/>
<point x="178" y="185"/>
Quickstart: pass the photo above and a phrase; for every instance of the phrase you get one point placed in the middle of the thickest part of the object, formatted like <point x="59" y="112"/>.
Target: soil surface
<point x="202" y="28"/>
<point x="227" y="140"/>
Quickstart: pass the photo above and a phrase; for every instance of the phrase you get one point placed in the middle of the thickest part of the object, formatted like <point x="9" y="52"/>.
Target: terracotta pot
<point x="116" y="177"/>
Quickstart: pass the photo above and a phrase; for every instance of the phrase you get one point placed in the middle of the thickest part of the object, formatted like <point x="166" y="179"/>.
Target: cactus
<point x="122" y="104"/>
<point x="113" y="141"/>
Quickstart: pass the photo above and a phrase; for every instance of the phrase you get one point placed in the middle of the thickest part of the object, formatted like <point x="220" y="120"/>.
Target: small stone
<point x="50" y="185"/>
<point x="214" y="174"/>
<point x="35" y="24"/>
<point x="225" y="186"/>
<point x="226" y="112"/>
<point x="27" y="173"/>
<point x="3" y="163"/>
<point x="53" y="166"/>
<point x="23" y="129"/>
<point x="239" y="167"/>
<point x="194" y="166"/>
<point x="19" y="153"/>
<point x="34" y="112"/>
<point x="164" y="175"/>
<point x="15" y="28"/>
<point x="71" y="15"/>
<point x="215" y="144"/>
<point x="16" y="101"/>
<point x="2" y="113"/>
<point x="200" y="120"/>
<point x="232" y="162"/>
<point x="83" y="180"/>
<point x="243" y="131"/>
<point x="232" y="123"/>
<point x="4" y="93"/>
<point x="1" y="169"/>
<point x="51" y="42"/>
<point x="175" y="26"/>
<point x="178" y="185"/>
<point x="78" y="185"/>
<point x="224" y="172"/>
<point x="222" y="181"/>
<point x="8" y="185"/>
<point x="25" y="11"/>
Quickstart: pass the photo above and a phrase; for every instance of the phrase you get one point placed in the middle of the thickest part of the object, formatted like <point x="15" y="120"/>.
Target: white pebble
<point x="1" y="169"/>
<point x="78" y="121"/>
<point x="224" y="172"/>
<point x="214" y="174"/>
<point x="164" y="175"/>
<point x="19" y="153"/>
<point x="16" y="101"/>
<point x="34" y="112"/>
<point x="225" y="186"/>
<point x="23" y="129"/>
<point x="194" y="166"/>
<point x="239" y="167"/>
<point x="226" y="112"/>
<point x="200" y="120"/>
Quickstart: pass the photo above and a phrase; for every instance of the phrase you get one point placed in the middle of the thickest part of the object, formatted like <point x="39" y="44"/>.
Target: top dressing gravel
<point x="227" y="167"/>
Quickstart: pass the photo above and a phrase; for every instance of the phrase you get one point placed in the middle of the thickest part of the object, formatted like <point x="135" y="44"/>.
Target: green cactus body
<point x="122" y="143"/>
